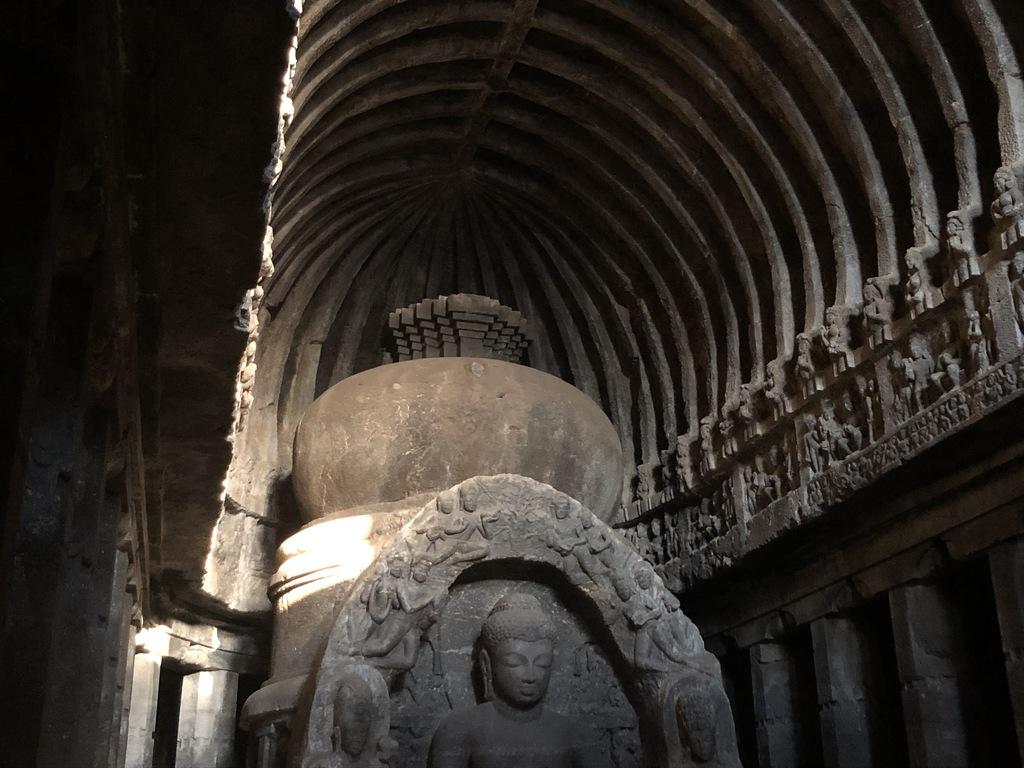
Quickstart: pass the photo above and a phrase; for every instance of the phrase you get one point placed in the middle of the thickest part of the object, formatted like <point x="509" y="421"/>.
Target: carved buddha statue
<point x="513" y="729"/>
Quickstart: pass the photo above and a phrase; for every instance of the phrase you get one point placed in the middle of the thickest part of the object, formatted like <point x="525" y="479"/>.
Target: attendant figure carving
<point x="359" y="737"/>
<point x="917" y="371"/>
<point x="804" y="363"/>
<point x="1017" y="289"/>
<point x="707" y="445"/>
<point x="566" y="537"/>
<point x="513" y="728"/>
<point x="867" y="389"/>
<point x="977" y="343"/>
<point x="847" y="439"/>
<point x="914" y="291"/>
<point x="727" y="428"/>
<point x="837" y="338"/>
<point x="664" y="636"/>
<point x="963" y="261"/>
<point x="775" y="389"/>
<point x="947" y="377"/>
<point x="402" y="607"/>
<point x="812" y="446"/>
<point x="453" y="536"/>
<point x="878" y="309"/>
<point x="1008" y="208"/>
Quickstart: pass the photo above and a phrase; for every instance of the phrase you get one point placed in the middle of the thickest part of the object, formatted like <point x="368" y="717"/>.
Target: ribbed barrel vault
<point x="669" y="191"/>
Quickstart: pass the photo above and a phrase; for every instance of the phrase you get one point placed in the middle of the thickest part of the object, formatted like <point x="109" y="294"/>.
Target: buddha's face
<point x="520" y="671"/>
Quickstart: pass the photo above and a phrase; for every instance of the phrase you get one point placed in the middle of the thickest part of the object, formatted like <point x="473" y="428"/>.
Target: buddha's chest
<point x="520" y="745"/>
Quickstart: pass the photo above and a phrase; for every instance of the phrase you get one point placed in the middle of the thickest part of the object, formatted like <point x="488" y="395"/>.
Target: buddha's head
<point x="518" y="649"/>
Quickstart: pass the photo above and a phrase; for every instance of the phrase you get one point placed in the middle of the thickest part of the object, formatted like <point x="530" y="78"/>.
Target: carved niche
<point x="411" y="619"/>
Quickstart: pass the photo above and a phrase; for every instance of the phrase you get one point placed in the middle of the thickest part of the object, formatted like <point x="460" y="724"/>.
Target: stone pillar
<point x="928" y="653"/>
<point x="142" y="713"/>
<point x="119" y="748"/>
<point x="844" y="661"/>
<point x="782" y="740"/>
<point x="206" y="720"/>
<point x="186" y="720"/>
<point x="1006" y="564"/>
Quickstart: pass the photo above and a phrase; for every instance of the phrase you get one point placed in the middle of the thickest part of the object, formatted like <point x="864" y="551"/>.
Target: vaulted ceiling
<point x="670" y="191"/>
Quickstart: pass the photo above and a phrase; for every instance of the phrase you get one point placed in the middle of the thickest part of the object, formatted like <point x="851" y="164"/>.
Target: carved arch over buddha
<point x="392" y="608"/>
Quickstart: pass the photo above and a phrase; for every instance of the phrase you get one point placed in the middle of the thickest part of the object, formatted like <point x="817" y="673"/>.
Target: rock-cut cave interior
<point x="513" y="384"/>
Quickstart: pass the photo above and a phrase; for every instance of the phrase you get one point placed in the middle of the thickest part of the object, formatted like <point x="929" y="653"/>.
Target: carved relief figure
<point x="963" y="262"/>
<point x="1008" y="207"/>
<point x="1009" y="202"/>
<point x="727" y="429"/>
<point x="878" y="308"/>
<point x="513" y="729"/>
<point x="804" y="363"/>
<point x="918" y="369"/>
<point x="847" y="439"/>
<point x="707" y="444"/>
<point x="812" y="446"/>
<point x="947" y="377"/>
<point x="774" y="389"/>
<point x="836" y="336"/>
<point x="401" y="606"/>
<point x="914" y="290"/>
<point x="664" y="636"/>
<point x="867" y="390"/>
<point x="977" y="343"/>
<point x="1017" y="289"/>
<point x="566" y="537"/>
<point x="646" y="485"/>
<point x="359" y="737"/>
<point x="901" y="387"/>
<point x="462" y="534"/>
<point x="751" y="484"/>
<point x="746" y="413"/>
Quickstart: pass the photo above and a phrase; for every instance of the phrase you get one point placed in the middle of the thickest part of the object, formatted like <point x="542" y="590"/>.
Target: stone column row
<point x="206" y="716"/>
<point x="945" y="722"/>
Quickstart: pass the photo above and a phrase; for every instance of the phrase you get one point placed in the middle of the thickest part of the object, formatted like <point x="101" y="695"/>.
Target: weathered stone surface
<point x="424" y="425"/>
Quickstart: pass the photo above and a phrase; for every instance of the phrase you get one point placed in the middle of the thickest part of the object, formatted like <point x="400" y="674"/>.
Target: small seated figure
<point x="513" y="729"/>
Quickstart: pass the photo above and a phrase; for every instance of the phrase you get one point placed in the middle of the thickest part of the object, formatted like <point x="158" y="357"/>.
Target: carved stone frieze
<point x="844" y="475"/>
<point x="905" y="366"/>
